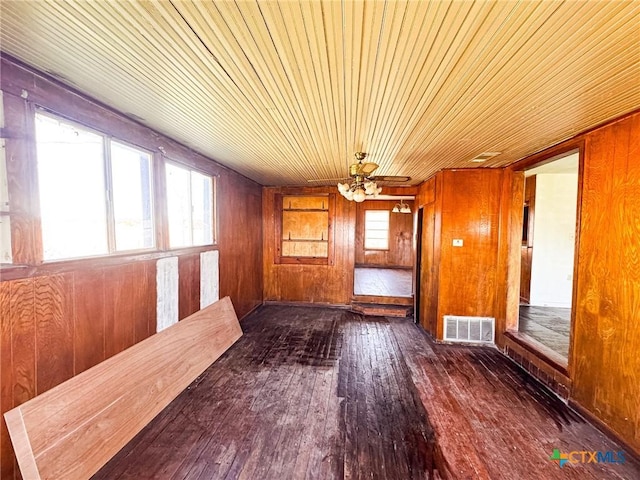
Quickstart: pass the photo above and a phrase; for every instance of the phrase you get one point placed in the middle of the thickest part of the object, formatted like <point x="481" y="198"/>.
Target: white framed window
<point x="6" y="256"/>
<point x="95" y="193"/>
<point x="132" y="198"/>
<point x="376" y="229"/>
<point x="190" y="205"/>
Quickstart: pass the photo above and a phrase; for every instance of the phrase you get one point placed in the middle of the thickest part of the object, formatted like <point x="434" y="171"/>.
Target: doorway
<point x="384" y="248"/>
<point x="547" y="254"/>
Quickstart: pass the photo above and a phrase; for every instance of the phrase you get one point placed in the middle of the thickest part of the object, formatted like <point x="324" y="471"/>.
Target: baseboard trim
<point x="604" y="428"/>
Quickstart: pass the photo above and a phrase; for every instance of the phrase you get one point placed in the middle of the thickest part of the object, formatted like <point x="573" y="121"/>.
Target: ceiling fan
<point x="361" y="183"/>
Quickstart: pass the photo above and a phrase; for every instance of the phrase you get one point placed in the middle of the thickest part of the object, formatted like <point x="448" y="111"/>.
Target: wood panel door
<point x="428" y="301"/>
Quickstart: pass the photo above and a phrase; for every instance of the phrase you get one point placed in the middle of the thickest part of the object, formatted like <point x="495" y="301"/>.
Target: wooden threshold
<point x="546" y="354"/>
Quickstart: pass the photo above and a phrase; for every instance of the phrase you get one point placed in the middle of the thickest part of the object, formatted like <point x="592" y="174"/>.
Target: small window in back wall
<point x="376" y="229"/>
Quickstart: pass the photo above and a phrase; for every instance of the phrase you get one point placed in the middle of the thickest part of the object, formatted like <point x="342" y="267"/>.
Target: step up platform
<point x="382" y="310"/>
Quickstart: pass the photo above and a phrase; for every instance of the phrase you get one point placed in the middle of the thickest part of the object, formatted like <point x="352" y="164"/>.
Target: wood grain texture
<point x="307" y="392"/>
<point x="527" y="248"/>
<point x="90" y="317"/>
<point x="106" y="304"/>
<point x="470" y="212"/>
<point x="21" y="178"/>
<point x="240" y="241"/>
<point x="332" y="283"/>
<point x="428" y="271"/>
<point x="400" y="252"/>
<point x="23" y="340"/>
<point x="73" y="429"/>
<point x="511" y="218"/>
<point x="188" y="285"/>
<point x="605" y="364"/>
<point x="6" y="380"/>
<point x="53" y="305"/>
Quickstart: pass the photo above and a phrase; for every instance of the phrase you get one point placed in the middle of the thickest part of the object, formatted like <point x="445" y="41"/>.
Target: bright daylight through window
<point x="190" y="205"/>
<point x="95" y="193"/>
<point x="376" y="229"/>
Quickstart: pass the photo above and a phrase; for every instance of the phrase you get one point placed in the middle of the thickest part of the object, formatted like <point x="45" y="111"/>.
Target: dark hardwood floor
<point x="324" y="393"/>
<point x="547" y="325"/>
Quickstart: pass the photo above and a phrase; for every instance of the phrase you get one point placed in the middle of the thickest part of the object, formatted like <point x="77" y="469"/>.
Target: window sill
<point x="15" y="272"/>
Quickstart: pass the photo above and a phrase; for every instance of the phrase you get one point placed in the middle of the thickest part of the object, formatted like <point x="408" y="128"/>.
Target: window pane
<point x="202" y="198"/>
<point x="72" y="190"/>
<point x="179" y="205"/>
<point x="132" y="210"/>
<point x="376" y="229"/>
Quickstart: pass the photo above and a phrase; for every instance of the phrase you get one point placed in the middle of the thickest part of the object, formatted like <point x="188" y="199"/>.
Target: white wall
<point x="554" y="239"/>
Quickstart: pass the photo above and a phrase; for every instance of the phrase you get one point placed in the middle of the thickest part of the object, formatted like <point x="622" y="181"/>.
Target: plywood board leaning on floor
<point x="73" y="429"/>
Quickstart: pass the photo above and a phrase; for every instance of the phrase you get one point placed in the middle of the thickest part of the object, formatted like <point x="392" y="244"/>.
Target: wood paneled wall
<point x="605" y="364"/>
<point x="59" y="319"/>
<point x="400" y="253"/>
<point x="462" y="205"/>
<point x="56" y="326"/>
<point x="470" y="212"/>
<point x="428" y="272"/>
<point x="330" y="284"/>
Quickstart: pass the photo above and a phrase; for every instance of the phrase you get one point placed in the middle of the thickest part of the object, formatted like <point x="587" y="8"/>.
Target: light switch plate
<point x="457" y="242"/>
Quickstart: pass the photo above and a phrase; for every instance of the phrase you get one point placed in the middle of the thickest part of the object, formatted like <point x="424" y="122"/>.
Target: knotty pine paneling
<point x="470" y="212"/>
<point x="332" y="283"/>
<point x="400" y="252"/>
<point x="605" y="364"/>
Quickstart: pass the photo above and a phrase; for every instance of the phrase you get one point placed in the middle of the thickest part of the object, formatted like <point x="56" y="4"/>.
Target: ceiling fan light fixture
<point x="401" y="207"/>
<point x="359" y="195"/>
<point x="361" y="186"/>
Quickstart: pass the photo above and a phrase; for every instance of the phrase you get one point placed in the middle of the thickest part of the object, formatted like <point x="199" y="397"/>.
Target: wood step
<point x="379" y="310"/>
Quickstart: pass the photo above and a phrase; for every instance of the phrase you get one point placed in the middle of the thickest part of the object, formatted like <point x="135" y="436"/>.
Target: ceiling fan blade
<point x="341" y="179"/>
<point x="389" y="178"/>
<point x="362" y="169"/>
<point x="368" y="168"/>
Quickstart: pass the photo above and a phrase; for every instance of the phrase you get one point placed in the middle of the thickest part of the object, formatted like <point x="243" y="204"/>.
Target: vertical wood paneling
<point x="511" y="210"/>
<point x="331" y="284"/>
<point x="470" y="212"/>
<point x="240" y="245"/>
<point x="6" y="380"/>
<point x="119" y="309"/>
<point x="64" y="318"/>
<point x="605" y="363"/>
<point x="428" y="271"/>
<point x="90" y="316"/>
<point x="144" y="300"/>
<point x="188" y="285"/>
<point x="400" y="252"/>
<point x="23" y="339"/>
<point x="54" y="330"/>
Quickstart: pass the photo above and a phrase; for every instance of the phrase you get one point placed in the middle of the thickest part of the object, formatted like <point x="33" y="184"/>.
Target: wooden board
<point x="73" y="429"/>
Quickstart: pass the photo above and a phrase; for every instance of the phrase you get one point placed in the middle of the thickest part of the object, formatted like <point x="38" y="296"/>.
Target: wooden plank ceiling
<point x="283" y="92"/>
